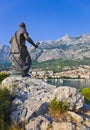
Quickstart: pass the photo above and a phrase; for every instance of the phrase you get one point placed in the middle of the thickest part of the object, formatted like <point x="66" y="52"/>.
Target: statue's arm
<point x="30" y="40"/>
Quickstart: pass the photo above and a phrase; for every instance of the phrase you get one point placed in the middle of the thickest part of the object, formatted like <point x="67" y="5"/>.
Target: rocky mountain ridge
<point x="66" y="47"/>
<point x="4" y="53"/>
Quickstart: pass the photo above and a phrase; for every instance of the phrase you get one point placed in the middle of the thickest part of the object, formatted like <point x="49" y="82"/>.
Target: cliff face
<point x="30" y="105"/>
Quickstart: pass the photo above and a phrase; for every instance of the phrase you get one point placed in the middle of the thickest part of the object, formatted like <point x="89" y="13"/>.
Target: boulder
<point x="69" y="95"/>
<point x="32" y="97"/>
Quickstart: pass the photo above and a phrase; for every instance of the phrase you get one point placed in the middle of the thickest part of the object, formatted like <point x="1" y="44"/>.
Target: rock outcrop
<point x="30" y="105"/>
<point x="70" y="95"/>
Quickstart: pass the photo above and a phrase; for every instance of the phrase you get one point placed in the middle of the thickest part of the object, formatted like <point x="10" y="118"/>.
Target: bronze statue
<point x="21" y="60"/>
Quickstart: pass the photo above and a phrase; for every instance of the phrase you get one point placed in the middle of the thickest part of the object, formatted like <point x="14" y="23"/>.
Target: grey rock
<point x="71" y="96"/>
<point x="77" y="117"/>
<point x="63" y="126"/>
<point x="32" y="97"/>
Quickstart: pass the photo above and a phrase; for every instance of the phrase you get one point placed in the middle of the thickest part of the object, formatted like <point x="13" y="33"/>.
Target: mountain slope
<point x="4" y="53"/>
<point x="66" y="48"/>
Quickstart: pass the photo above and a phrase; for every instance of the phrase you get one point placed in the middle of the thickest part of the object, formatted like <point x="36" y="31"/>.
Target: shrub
<point x="3" y="76"/>
<point x="86" y="93"/>
<point x="5" y="111"/>
<point x="56" y="107"/>
<point x="5" y="104"/>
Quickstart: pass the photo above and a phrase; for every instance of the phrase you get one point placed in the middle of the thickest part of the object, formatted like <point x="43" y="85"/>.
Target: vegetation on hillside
<point x="58" y="65"/>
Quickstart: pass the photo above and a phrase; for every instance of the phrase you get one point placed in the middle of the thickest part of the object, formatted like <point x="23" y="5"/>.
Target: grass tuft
<point x="56" y="108"/>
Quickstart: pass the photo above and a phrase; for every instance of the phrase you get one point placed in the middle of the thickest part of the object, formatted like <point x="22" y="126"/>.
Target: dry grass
<point x="49" y="127"/>
<point x="15" y="127"/>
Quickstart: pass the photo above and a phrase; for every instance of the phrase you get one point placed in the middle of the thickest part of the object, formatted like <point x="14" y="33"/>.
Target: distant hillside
<point x="59" y="65"/>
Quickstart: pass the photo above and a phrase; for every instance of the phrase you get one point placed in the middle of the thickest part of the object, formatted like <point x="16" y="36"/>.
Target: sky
<point x="44" y="19"/>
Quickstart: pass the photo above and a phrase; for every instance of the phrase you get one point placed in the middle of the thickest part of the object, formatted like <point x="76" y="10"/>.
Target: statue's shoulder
<point x="21" y="31"/>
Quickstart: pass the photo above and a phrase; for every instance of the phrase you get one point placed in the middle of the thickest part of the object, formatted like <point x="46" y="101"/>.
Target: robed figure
<point x="20" y="57"/>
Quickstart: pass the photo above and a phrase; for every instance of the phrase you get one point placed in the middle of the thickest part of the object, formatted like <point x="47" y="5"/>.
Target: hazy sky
<point x="45" y="19"/>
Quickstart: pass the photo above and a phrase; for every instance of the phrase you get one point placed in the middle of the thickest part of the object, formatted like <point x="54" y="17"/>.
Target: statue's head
<point x="22" y="24"/>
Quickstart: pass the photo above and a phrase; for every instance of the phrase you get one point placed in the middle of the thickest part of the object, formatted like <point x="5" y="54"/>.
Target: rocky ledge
<point x="30" y="105"/>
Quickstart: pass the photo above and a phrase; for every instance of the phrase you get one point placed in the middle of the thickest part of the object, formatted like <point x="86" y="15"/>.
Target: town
<point x="81" y="72"/>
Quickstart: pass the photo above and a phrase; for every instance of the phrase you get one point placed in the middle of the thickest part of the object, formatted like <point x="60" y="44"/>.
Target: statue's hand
<point x="37" y="44"/>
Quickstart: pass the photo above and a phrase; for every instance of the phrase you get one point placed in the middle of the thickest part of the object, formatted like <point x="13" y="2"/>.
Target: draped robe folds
<point x="21" y="60"/>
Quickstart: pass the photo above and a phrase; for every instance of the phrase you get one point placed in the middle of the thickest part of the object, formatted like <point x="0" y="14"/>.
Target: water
<point x="77" y="83"/>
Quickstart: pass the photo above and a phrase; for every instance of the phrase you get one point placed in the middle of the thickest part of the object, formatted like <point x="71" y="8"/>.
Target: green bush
<point x="5" y="104"/>
<point x="57" y="107"/>
<point x="3" y="76"/>
<point x="86" y="93"/>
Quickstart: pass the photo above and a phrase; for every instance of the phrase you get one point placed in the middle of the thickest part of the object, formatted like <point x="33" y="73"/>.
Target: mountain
<point x="4" y="53"/>
<point x="66" y="47"/>
<point x="5" y="57"/>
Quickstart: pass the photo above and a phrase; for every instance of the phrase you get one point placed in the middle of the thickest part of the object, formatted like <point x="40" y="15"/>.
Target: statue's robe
<point x="21" y="60"/>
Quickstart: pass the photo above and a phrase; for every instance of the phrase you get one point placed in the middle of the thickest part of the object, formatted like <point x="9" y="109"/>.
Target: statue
<point x="21" y="60"/>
